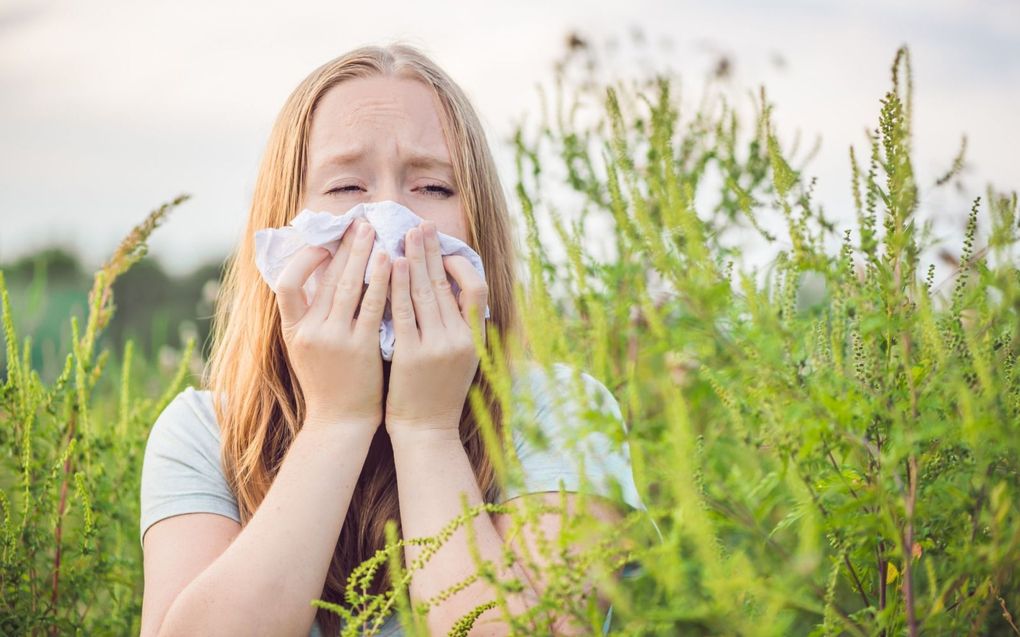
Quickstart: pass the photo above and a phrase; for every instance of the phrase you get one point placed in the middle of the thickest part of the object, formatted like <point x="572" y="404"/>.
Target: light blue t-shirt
<point x="181" y="471"/>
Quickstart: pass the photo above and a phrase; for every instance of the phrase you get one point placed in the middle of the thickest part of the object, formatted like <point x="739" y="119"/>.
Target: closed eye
<point x="341" y="189"/>
<point x="433" y="190"/>
<point x="439" y="191"/>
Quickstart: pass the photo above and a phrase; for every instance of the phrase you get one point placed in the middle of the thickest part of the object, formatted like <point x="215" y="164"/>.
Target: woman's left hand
<point x="434" y="356"/>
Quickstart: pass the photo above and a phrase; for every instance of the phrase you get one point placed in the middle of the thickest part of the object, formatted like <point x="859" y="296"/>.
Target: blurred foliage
<point x="156" y="311"/>
<point x="73" y="446"/>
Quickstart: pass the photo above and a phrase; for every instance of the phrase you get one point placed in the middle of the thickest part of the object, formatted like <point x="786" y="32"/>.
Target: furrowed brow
<point x="427" y="160"/>
<point x="346" y="156"/>
<point x="415" y="159"/>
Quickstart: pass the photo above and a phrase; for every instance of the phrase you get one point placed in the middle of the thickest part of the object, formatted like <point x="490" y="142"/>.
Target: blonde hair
<point x="259" y="404"/>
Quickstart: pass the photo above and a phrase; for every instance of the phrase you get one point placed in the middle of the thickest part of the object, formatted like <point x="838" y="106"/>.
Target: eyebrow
<point x="416" y="158"/>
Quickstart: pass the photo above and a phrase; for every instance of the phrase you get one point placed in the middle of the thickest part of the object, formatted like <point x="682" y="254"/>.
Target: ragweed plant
<point x="69" y="474"/>
<point x="845" y="464"/>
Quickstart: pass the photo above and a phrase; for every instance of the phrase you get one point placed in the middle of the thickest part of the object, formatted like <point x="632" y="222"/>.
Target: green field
<point x="830" y="445"/>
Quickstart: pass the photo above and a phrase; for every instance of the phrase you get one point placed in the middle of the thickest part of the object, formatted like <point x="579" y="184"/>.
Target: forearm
<point x="432" y="471"/>
<point x="264" y="581"/>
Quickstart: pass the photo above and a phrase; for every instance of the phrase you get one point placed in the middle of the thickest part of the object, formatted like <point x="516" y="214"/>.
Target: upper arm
<point x="175" y="551"/>
<point x="188" y="514"/>
<point x="574" y="436"/>
<point x="578" y="442"/>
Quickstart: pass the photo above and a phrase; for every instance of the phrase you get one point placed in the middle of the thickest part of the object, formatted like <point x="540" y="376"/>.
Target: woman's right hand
<point x="336" y="356"/>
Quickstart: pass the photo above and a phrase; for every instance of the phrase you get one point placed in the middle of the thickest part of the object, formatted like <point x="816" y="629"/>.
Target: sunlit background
<point x="110" y="108"/>
<point x="737" y="406"/>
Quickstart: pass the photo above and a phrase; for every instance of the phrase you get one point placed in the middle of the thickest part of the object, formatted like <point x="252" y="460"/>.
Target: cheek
<point x="453" y="222"/>
<point x="462" y="230"/>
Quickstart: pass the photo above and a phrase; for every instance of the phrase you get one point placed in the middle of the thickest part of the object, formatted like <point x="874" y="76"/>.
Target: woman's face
<point x="381" y="138"/>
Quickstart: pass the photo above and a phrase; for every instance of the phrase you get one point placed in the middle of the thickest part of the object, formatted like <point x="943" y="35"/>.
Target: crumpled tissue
<point x="274" y="247"/>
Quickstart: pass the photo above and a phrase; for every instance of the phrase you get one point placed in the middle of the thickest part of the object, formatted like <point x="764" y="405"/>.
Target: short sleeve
<point x="577" y="438"/>
<point x="181" y="470"/>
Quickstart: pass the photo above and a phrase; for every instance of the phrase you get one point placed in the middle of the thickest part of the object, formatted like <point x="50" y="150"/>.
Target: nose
<point x="390" y="191"/>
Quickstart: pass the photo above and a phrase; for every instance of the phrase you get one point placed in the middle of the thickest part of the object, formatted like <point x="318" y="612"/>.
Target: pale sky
<point x="109" y="108"/>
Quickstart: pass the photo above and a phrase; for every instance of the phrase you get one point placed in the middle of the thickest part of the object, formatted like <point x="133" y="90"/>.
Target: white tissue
<point x="274" y="247"/>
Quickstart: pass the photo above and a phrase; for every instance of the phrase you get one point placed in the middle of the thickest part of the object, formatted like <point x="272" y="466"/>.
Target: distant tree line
<point x="153" y="308"/>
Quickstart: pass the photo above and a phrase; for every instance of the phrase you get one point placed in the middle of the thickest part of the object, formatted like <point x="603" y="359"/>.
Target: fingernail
<point x="363" y="229"/>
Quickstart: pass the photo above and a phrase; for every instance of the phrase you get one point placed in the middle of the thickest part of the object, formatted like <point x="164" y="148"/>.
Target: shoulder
<point x="186" y="425"/>
<point x="181" y="468"/>
<point x="562" y="386"/>
<point x="564" y="404"/>
<point x="567" y="426"/>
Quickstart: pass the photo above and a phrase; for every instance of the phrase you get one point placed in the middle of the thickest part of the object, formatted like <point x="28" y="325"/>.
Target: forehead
<point x="377" y="110"/>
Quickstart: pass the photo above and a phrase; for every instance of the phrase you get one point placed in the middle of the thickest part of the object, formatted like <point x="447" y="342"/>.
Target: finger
<point x="352" y="281"/>
<point x="448" y="309"/>
<point x="474" y="293"/>
<point x="323" y="300"/>
<point x="371" y="311"/>
<point x="426" y="310"/>
<point x="404" y="328"/>
<point x="290" y="295"/>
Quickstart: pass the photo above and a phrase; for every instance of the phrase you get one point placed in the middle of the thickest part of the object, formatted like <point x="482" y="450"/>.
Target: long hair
<point x="258" y="400"/>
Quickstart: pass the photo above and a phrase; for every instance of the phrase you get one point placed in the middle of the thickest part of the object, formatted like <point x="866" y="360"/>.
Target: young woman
<point x="265" y="498"/>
